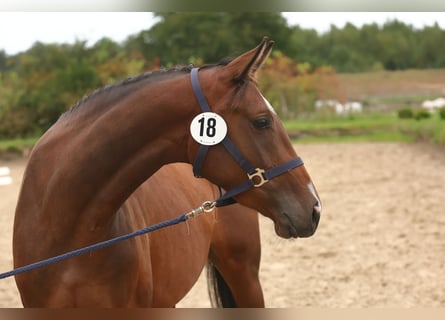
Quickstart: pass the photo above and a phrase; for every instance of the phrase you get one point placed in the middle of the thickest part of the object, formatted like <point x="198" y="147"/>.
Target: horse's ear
<point x="246" y="65"/>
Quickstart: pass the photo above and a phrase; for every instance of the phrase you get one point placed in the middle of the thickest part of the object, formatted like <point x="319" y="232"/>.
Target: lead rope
<point x="206" y="207"/>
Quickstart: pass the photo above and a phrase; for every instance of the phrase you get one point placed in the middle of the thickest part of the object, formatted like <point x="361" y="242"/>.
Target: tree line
<point x="37" y="85"/>
<point x="391" y="46"/>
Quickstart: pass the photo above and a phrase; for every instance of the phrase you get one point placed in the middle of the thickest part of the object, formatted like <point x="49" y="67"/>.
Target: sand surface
<point x="380" y="243"/>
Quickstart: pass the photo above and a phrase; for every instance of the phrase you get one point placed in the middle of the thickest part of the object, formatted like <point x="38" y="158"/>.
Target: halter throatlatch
<point x="256" y="176"/>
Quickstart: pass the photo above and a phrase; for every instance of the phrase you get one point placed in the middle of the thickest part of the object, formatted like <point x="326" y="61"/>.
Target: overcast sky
<point x="19" y="30"/>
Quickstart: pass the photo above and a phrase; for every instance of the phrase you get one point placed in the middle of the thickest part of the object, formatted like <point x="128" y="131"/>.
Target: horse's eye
<point x="262" y="123"/>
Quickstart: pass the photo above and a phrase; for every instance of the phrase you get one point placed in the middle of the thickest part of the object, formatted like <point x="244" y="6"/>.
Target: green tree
<point x="397" y="43"/>
<point x="3" y="59"/>
<point x="180" y="37"/>
<point x="430" y="45"/>
<point x="304" y="45"/>
<point x="55" y="77"/>
<point x="104" y="50"/>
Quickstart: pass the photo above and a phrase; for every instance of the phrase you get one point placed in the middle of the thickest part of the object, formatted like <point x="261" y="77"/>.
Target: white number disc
<point x="208" y="128"/>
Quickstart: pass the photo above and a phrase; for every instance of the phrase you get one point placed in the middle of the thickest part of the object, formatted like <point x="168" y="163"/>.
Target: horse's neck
<point x="97" y="164"/>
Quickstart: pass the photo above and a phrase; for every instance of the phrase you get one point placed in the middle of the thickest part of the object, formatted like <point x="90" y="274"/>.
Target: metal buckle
<point x="257" y="177"/>
<point x="206" y="207"/>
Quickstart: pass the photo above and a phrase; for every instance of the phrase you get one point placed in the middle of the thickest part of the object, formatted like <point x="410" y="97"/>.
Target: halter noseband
<point x="256" y="176"/>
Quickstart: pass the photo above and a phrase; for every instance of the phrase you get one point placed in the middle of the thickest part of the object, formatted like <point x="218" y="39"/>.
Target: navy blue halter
<point x="256" y="176"/>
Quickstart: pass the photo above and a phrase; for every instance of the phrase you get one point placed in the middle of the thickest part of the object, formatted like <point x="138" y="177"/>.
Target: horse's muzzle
<point x="290" y="227"/>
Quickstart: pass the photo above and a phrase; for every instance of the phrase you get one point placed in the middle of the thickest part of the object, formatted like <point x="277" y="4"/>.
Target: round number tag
<point x="208" y="128"/>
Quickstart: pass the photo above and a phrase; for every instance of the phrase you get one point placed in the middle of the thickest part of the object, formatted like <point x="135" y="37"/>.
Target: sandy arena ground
<point x="380" y="243"/>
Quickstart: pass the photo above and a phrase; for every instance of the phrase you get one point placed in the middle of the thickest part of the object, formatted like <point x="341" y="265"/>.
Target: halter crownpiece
<point x="256" y="176"/>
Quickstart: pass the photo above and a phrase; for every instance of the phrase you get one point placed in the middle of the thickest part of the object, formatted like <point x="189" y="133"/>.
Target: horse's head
<point x="290" y="198"/>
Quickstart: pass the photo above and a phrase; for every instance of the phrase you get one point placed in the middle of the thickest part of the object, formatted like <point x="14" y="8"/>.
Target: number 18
<point x="210" y="131"/>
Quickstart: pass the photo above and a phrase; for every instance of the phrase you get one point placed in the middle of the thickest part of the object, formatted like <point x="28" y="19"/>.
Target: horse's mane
<point x="126" y="83"/>
<point x="125" y="86"/>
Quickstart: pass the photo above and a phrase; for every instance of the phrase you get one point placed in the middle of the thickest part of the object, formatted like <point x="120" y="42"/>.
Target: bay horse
<point x="228" y="241"/>
<point x="79" y="184"/>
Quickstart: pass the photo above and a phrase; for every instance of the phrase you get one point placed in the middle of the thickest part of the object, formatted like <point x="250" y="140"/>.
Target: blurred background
<point x="360" y="76"/>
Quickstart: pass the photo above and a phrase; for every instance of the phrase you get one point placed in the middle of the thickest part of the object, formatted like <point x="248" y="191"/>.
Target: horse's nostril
<point x="316" y="212"/>
<point x="317" y="208"/>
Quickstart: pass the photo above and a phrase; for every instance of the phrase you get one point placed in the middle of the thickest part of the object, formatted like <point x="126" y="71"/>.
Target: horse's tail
<point x="219" y="292"/>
